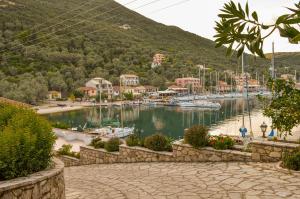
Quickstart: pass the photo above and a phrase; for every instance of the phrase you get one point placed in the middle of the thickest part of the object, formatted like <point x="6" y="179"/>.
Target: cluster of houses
<point x="130" y="83"/>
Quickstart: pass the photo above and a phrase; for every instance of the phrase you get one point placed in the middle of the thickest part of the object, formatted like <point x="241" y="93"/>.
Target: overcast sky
<point x="199" y="16"/>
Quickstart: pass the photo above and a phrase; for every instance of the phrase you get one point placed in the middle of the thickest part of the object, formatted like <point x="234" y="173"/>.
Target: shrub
<point x="221" y="142"/>
<point x="291" y="160"/>
<point x="60" y="125"/>
<point x="66" y="150"/>
<point x="26" y="142"/>
<point x="197" y="136"/>
<point x="97" y="143"/>
<point x="133" y="140"/>
<point x="112" y="145"/>
<point x="156" y="142"/>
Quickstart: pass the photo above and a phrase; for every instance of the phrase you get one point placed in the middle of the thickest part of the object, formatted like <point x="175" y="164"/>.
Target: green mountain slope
<point x="34" y="59"/>
<point x="287" y="58"/>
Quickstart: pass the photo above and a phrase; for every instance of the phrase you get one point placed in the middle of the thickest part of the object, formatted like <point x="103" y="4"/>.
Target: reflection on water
<point x="170" y="121"/>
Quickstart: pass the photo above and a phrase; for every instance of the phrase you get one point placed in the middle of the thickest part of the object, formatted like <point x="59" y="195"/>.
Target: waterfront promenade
<point x="181" y="181"/>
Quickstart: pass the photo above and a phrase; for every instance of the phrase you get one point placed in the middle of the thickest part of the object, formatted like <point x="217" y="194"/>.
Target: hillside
<point x="287" y="58"/>
<point x="35" y="59"/>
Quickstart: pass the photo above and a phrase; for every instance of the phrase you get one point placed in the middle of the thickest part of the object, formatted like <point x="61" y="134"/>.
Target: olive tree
<point x="239" y="28"/>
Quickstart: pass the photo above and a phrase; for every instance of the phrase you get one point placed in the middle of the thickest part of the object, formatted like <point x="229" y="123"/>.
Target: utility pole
<point x="273" y="61"/>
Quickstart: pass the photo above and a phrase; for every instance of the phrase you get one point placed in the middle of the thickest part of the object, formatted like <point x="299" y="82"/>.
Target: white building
<point x="129" y="80"/>
<point x="102" y="85"/>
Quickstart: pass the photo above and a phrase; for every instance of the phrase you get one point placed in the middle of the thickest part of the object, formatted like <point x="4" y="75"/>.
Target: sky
<point x="199" y="16"/>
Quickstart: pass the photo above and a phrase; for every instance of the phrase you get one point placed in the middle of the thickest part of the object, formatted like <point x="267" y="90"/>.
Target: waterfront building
<point x="150" y="89"/>
<point x="54" y="95"/>
<point x="102" y="85"/>
<point x="223" y="87"/>
<point x="191" y="83"/>
<point x="88" y="91"/>
<point x="129" y="80"/>
<point x="178" y="89"/>
<point x="288" y="77"/>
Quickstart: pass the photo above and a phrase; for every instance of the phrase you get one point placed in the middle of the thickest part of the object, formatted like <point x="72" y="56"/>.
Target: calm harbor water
<point x="170" y="121"/>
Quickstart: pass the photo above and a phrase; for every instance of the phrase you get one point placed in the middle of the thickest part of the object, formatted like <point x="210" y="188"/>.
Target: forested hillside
<point x="36" y="55"/>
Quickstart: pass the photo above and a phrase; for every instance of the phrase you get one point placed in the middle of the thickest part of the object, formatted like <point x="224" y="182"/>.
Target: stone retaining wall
<point x="139" y="154"/>
<point x="89" y="155"/>
<point x="181" y="153"/>
<point x="69" y="161"/>
<point x="186" y="153"/>
<point x="268" y="151"/>
<point x="45" y="184"/>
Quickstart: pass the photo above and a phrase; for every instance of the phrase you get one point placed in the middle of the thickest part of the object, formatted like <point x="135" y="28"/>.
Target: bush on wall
<point x="26" y="142"/>
<point x="197" y="136"/>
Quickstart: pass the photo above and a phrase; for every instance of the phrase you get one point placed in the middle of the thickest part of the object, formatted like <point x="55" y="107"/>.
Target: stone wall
<point x="45" y="184"/>
<point x="268" y="151"/>
<point x="186" y="153"/>
<point x="139" y="154"/>
<point x="181" y="153"/>
<point x="69" y="161"/>
<point x="89" y="155"/>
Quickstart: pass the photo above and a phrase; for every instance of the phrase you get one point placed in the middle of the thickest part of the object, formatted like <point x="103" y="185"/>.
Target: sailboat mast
<point x="273" y="60"/>
<point x="243" y="89"/>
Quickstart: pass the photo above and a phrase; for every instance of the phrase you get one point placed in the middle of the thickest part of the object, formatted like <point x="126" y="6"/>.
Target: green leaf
<point x="296" y="39"/>
<point x="254" y="15"/>
<point x="247" y="9"/>
<point x="240" y="51"/>
<point x="281" y="19"/>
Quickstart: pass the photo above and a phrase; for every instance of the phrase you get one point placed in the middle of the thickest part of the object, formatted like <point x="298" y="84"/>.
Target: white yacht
<point x="110" y="132"/>
<point x="200" y="104"/>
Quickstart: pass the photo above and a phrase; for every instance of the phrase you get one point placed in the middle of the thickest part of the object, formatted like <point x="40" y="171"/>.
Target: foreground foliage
<point x="284" y="107"/>
<point x="291" y="160"/>
<point x="26" y="142"/>
<point x="112" y="145"/>
<point x="66" y="149"/>
<point x="221" y="142"/>
<point x="158" y="142"/>
<point x="240" y="29"/>
<point x="197" y="136"/>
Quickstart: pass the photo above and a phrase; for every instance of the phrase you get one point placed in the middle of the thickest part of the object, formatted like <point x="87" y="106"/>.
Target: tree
<point x="239" y="28"/>
<point x="128" y="96"/>
<point x="78" y="94"/>
<point x="284" y="108"/>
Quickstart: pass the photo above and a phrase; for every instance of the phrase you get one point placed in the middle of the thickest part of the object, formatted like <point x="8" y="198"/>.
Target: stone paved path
<point x="180" y="180"/>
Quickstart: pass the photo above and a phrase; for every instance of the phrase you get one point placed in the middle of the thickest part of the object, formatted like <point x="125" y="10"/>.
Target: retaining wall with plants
<point x="187" y="153"/>
<point x="44" y="184"/>
<point x="269" y="151"/>
<point x="181" y="153"/>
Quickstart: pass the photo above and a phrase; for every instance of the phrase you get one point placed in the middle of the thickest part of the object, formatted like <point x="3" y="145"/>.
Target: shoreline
<point x="49" y="110"/>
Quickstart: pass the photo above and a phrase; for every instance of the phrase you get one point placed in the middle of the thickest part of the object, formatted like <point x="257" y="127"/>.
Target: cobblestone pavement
<point x="180" y="180"/>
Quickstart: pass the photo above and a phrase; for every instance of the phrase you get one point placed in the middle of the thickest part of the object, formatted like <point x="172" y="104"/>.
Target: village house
<point x="194" y="84"/>
<point x="223" y="87"/>
<point x="54" y="95"/>
<point x="157" y="60"/>
<point x="288" y="77"/>
<point x="178" y="89"/>
<point x="102" y="85"/>
<point x="88" y="91"/>
<point x="150" y="89"/>
<point x="129" y="80"/>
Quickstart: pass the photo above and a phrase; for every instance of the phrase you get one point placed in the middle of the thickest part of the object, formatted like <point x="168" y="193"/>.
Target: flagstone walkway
<point x="180" y="180"/>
